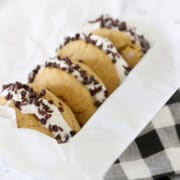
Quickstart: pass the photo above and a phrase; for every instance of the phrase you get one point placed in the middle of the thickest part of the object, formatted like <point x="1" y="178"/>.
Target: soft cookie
<point x="131" y="45"/>
<point x="40" y="110"/>
<point x="99" y="54"/>
<point x="74" y="82"/>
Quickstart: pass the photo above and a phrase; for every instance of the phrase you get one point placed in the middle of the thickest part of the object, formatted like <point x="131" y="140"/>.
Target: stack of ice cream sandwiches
<point x="64" y="92"/>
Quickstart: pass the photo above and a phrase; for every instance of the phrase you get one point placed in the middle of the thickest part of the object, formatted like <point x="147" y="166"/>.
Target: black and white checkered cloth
<point x="155" y="153"/>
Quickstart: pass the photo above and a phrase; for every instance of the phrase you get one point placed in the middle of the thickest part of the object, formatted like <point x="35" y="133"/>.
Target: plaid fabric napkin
<point x="155" y="153"/>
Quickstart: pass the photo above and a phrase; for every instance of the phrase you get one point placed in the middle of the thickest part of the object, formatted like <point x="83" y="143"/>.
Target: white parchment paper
<point x="30" y="34"/>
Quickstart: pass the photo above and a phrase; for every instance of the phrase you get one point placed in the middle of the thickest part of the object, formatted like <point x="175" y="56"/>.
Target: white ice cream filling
<point x="56" y="117"/>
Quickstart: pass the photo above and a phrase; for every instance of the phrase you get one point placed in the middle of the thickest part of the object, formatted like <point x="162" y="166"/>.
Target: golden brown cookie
<point x="73" y="82"/>
<point x="131" y="45"/>
<point x="40" y="110"/>
<point x="99" y="54"/>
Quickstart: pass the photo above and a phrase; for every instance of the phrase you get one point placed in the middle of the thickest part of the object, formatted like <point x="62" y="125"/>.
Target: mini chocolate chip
<point x="92" y="77"/>
<point x="122" y="26"/>
<point x="133" y="41"/>
<point x="106" y="93"/>
<point x="17" y="104"/>
<point x="72" y="133"/>
<point x="68" y="61"/>
<point x="93" y="42"/>
<point x="144" y="43"/>
<point x="95" y="82"/>
<point x="76" y="67"/>
<point x="42" y="93"/>
<point x="97" y="103"/>
<point x="61" y="109"/>
<point x="66" y="40"/>
<point x="108" y="51"/>
<point x="85" y="80"/>
<point x="83" y="73"/>
<point x="128" y="69"/>
<point x="61" y="129"/>
<point x="9" y="96"/>
<point x="5" y="86"/>
<point x="45" y="107"/>
<point x="46" y="64"/>
<point x="59" y="57"/>
<point x="24" y="99"/>
<point x="26" y="87"/>
<point x="93" y="92"/>
<point x="77" y="35"/>
<point x="37" y="103"/>
<point x="98" y="89"/>
<point x="54" y="65"/>
<point x="49" y="111"/>
<point x="70" y="69"/>
<point x="43" y="121"/>
<point x="113" y="61"/>
<point x="18" y="85"/>
<point x="63" y="68"/>
<point x="23" y="93"/>
<point x="58" y="137"/>
<point x="41" y="111"/>
<point x="50" y="101"/>
<point x="102" y="24"/>
<point x="30" y="90"/>
<point x="54" y="128"/>
<point x="131" y="32"/>
<point x="32" y="95"/>
<point x="30" y="101"/>
<point x="47" y="116"/>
